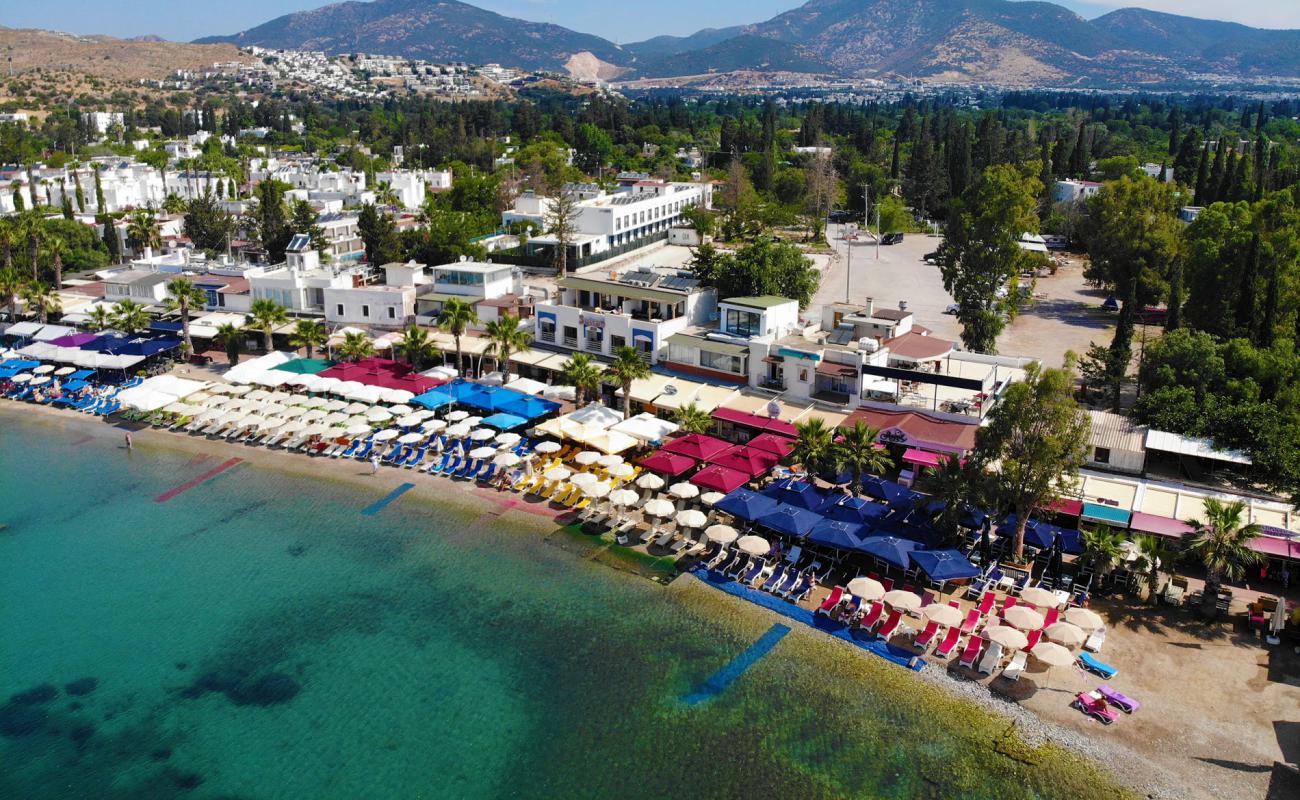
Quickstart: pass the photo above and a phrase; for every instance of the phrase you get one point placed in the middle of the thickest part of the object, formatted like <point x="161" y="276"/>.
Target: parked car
<point x="891" y="238"/>
<point x="952" y="308"/>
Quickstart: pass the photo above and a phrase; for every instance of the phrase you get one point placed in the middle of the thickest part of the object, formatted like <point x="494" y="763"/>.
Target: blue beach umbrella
<point x="944" y="565"/>
<point x="890" y="549"/>
<point x="433" y="399"/>
<point x="530" y="407"/>
<point x="855" y="509"/>
<point x="504" y="422"/>
<point x="797" y="493"/>
<point x="790" y="520"/>
<point x="837" y="533"/>
<point x="746" y="504"/>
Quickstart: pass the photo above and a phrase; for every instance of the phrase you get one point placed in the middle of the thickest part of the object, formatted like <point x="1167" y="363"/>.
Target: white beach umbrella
<point x="457" y="416"/>
<point x="326" y="384"/>
<point x="410" y="438"/>
<point x="293" y="426"/>
<point x="623" y="497"/>
<point x="1085" y="618"/>
<point x="336" y="418"/>
<point x="333" y="404"/>
<point x="1052" y="654"/>
<point x="61" y="371"/>
<point x="482" y="452"/>
<point x="1039" y="597"/>
<point x="650" y="481"/>
<point x="710" y="498"/>
<point x="401" y="409"/>
<point x="482" y="435"/>
<point x="753" y="545"/>
<point x="252" y="421"/>
<point x="388" y="434"/>
<point x="943" y="614"/>
<point x="902" y="600"/>
<point x="597" y="490"/>
<point x="621" y="470"/>
<point x="691" y="518"/>
<point x="219" y="388"/>
<point x="547" y="447"/>
<point x="458" y="431"/>
<point x="182" y="408"/>
<point x="315" y="402"/>
<point x="211" y="415"/>
<point x="271" y="423"/>
<point x="279" y="397"/>
<point x="866" y="588"/>
<point x="378" y="415"/>
<point x="397" y="396"/>
<point x="1066" y="634"/>
<point x="312" y="415"/>
<point x="584" y="479"/>
<point x="230" y="418"/>
<point x="409" y="421"/>
<point x="586" y="458"/>
<point x="1026" y="619"/>
<point x="356" y="408"/>
<point x="507" y="439"/>
<point x="40" y="380"/>
<point x="557" y="474"/>
<point x="316" y="430"/>
<point x="238" y="389"/>
<point x="355" y="430"/>
<point x="1006" y="636"/>
<point x="684" y="490"/>
<point x="721" y="534"/>
<point x="257" y="394"/>
<point x="277" y="410"/>
<point x="658" y="507"/>
<point x="611" y="460"/>
<point x="44" y="369"/>
<point x="434" y="425"/>
<point x="506" y="460"/>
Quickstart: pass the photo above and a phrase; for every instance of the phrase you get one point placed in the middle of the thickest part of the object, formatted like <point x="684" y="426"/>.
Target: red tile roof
<point x="920" y="430"/>
<point x="917" y="347"/>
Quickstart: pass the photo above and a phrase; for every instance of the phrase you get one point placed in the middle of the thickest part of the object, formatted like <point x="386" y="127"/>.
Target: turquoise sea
<point x="259" y="637"/>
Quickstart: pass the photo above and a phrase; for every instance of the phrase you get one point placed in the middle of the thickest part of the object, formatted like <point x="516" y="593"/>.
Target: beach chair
<point x="488" y="474"/>
<point x="1051" y="617"/>
<point x="972" y="619"/>
<point x="1121" y="701"/>
<point x="1095" y="707"/>
<point x="724" y="561"/>
<point x="945" y="648"/>
<point x="793" y="555"/>
<point x="992" y="657"/>
<point x="888" y="583"/>
<point x="754" y="572"/>
<point x="924" y="638"/>
<point x="1087" y="662"/>
<point x="1033" y="637"/>
<point x="986" y="603"/>
<point x="1017" y="666"/>
<point x="1007" y="605"/>
<point x="740" y="567"/>
<point x="891" y="625"/>
<point x="799" y="589"/>
<point x="787" y="582"/>
<point x="832" y="600"/>
<point x="774" y="580"/>
<point x="927" y="598"/>
<point x="873" y="615"/>
<point x="1095" y="640"/>
<point x="972" y="652"/>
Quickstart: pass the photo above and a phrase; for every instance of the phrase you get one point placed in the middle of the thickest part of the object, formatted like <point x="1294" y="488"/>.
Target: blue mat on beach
<point x="721" y="680"/>
<point x="379" y="505"/>
<point x="868" y="642"/>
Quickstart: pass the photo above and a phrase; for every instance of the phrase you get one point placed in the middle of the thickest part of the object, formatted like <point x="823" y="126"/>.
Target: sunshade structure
<point x="854" y="509"/>
<point x="1052" y="654"/>
<point x="944" y="565"/>
<point x="698" y="446"/>
<point x="650" y="481"/>
<point x="305" y="366"/>
<point x="504" y="422"/>
<point x="718" y="478"/>
<point x="890" y="549"/>
<point x="433" y="399"/>
<point x="942" y="613"/>
<point x="1065" y="633"/>
<point x="747" y="505"/>
<point x="866" y="588"/>
<point x="753" y="545"/>
<point x="1026" y="619"/>
<point x="755" y="422"/>
<point x="1085" y="618"/>
<point x="381" y="372"/>
<point x="895" y="494"/>
<point x="666" y="463"/>
<point x="499" y="399"/>
<point x="721" y="534"/>
<point x="659" y="507"/>
<point x="597" y="416"/>
<point x="837" y="533"/>
<point x="797" y="493"/>
<point x="779" y="446"/>
<point x="746" y="460"/>
<point x="608" y="442"/>
<point x="902" y="600"/>
<point x="527" y="386"/>
<point x="647" y="428"/>
<point x="1037" y="596"/>
<point x="790" y="520"/>
<point x="157" y="392"/>
<point x="1006" y="636"/>
<point x="684" y="491"/>
<point x="244" y="371"/>
<point x="530" y="407"/>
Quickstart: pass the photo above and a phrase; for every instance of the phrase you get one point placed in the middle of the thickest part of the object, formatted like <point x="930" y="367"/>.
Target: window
<point x="338" y="310"/>
<point x="546" y="328"/>
<point x="743" y="323"/>
<point x="570" y="336"/>
<point x="722" y="363"/>
<point x="392" y="312"/>
<point x="616" y="342"/>
<point x="365" y="311"/>
<point x="1101" y="455"/>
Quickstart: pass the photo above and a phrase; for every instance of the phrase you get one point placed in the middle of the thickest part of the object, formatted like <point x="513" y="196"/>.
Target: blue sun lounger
<point x="416" y="456"/>
<point x="488" y="473"/>
<point x="1097" y="667"/>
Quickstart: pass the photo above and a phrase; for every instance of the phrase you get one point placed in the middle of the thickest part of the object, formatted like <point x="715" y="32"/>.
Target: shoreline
<point x="1137" y="770"/>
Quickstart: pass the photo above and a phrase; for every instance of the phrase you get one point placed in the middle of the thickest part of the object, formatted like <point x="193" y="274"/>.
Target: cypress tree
<point x="1214" y="185"/>
<point x="1174" y="316"/>
<point x="1203" y="175"/>
<point x="99" y="194"/>
<point x="1260" y="117"/>
<point x="1185" y="161"/>
<point x="1242" y="179"/>
<point x="1261" y="166"/>
<point x="1175" y="128"/>
<point x="1268" y="321"/>
<point x="1081" y="158"/>
<point x="894" y="165"/>
<point x="67" y="206"/>
<point x="1229" y="181"/>
<point x="1164" y="172"/>
<point x="1245" y="317"/>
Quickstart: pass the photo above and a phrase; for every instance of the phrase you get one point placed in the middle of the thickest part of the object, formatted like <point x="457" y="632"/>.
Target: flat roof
<point x="761" y="302"/>
<point x="461" y="266"/>
<point x="1167" y="442"/>
<point x="621" y="289"/>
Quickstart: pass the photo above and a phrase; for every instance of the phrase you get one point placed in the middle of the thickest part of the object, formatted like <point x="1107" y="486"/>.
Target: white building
<point x="1070" y="191"/>
<point x="738" y="349"/>
<point x="473" y="282"/>
<point x="300" y="283"/>
<point x="101" y="121"/>
<point x="375" y="306"/>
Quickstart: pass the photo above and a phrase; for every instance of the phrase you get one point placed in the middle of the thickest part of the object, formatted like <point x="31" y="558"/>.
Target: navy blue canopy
<point x="890" y="549"/>
<point x="896" y="494"/>
<point x="837" y="533"/>
<point x="944" y="565"/>
<point x="855" y="509"/>
<point x="139" y="347"/>
<point x="790" y="520"/>
<point x="796" y="493"/>
<point x="746" y="504"/>
<point x="165" y="326"/>
<point x="1041" y="537"/>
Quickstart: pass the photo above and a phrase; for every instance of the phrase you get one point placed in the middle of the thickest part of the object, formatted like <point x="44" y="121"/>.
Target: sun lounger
<point x="488" y="474"/>
<point x="801" y="584"/>
<point x="1051" y="617"/>
<point x="986" y="603"/>
<point x="1095" y="707"/>
<point x="992" y="657"/>
<point x="793" y="555"/>
<point x="972" y="619"/>
<point x="1095" y="640"/>
<point x="891" y="625"/>
<point x="787" y="582"/>
<point x="724" y="561"/>
<point x="873" y="615"/>
<point x="754" y="572"/>
<point x="1033" y="638"/>
<point x="740" y="567"/>
<point x="1017" y="666"/>
<point x="832" y="600"/>
<point x="924" y="638"/>
<point x="1007" y="605"/>
<point x="971" y="652"/>
<point x="888" y="583"/>
<point x="1123" y="702"/>
<point x="945" y="648"/>
<point x="1097" y="667"/>
<point x="774" y="580"/>
<point x="927" y="598"/>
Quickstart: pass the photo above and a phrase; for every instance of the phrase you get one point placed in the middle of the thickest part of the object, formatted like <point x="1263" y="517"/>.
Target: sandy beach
<point x="1218" y="708"/>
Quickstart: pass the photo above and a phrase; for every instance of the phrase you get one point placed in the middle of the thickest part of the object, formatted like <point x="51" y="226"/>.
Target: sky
<point x="618" y="20"/>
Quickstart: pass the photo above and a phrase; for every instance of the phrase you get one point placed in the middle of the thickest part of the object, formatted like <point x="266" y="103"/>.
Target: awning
<point x="1107" y="515"/>
<point x="755" y="421"/>
<point x="49" y="332"/>
<point x="670" y="464"/>
<point x="944" y="565"/>
<point x="646" y="427"/>
<point x="922" y="458"/>
<point x="23" y="329"/>
<point x="1275" y="547"/>
<point x="707" y="345"/>
<point x="1161" y="526"/>
<point x="835" y="370"/>
<point x="1070" y="507"/>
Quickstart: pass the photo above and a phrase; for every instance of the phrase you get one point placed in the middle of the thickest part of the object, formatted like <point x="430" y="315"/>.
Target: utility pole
<point x="848" y="267"/>
<point x="879" y="233"/>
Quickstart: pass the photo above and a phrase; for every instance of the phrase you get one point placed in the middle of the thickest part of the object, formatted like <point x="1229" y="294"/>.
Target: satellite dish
<point x="774" y="409"/>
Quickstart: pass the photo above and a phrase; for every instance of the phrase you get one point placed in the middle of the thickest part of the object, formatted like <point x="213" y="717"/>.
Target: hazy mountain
<point x="671" y="45"/>
<point x="1214" y="46"/>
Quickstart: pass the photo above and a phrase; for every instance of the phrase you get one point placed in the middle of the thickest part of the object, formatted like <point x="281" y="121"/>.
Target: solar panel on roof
<point x="299" y="242"/>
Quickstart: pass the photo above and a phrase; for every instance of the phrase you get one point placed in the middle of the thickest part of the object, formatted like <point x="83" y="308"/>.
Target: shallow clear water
<point x="258" y="637"/>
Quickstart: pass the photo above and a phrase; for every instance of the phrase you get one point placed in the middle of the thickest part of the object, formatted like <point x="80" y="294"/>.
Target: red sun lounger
<point x="972" y="619"/>
<point x="924" y="637"/>
<point x="872" y="616"/>
<point x="890" y="625"/>
<point x="944" y="650"/>
<point x="833" y="600"/>
<point x="1095" y="707"/>
<point x="986" y="603"/>
<point x="972" y="652"/>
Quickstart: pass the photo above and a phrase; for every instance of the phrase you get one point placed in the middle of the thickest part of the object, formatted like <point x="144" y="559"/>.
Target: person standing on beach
<point x="129" y="444"/>
<point x="374" y="464"/>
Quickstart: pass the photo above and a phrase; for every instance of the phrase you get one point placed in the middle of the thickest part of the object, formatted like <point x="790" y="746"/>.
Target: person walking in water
<point x="129" y="444"/>
<point x="374" y="464"/>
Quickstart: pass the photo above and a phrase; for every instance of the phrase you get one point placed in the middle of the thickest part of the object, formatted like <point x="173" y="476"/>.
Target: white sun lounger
<point x="1017" y="666"/>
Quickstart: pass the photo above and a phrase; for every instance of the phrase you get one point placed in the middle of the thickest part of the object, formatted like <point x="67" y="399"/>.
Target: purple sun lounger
<point x="1123" y="702"/>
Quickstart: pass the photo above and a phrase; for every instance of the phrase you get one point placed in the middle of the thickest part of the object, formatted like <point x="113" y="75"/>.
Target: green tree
<point x="385" y="195"/>
<point x="583" y="374"/>
<point x="561" y="219"/>
<point x="814" y="447"/>
<point x="100" y="317"/>
<point x="56" y="248"/>
<point x="960" y="485"/>
<point x="763" y="267"/>
<point x="355" y="346"/>
<point x="628" y="366"/>
<point x="592" y="148"/>
<point x="417" y="347"/>
<point x="142" y="231"/>
<point x="505" y="337"/>
<point x="207" y="223"/>
<point x="981" y="257"/>
<point x="266" y="315"/>
<point x="130" y="317"/>
<point x="455" y="318"/>
<point x="1154" y="554"/>
<point x="692" y="419"/>
<point x="304" y="219"/>
<point x="271" y="219"/>
<point x="379" y="236"/>
<point x="184" y="296"/>
<point x="11" y="287"/>
<point x="173" y="204"/>
<point x="1222" y="543"/>
<point x="41" y="298"/>
<point x="1102" y="549"/>
<point x="309" y="334"/>
<point x="231" y="336"/>
<point x="1037" y="437"/>
<point x="857" y="452"/>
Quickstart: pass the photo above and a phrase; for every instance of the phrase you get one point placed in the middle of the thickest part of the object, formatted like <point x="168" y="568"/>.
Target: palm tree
<point x="266" y="315"/>
<point x="100" y="317"/>
<point x="310" y="334"/>
<point x="41" y="298"/>
<point x="456" y="317"/>
<point x="960" y="485"/>
<point x="857" y="452"/>
<point x="56" y="249"/>
<point x="130" y="317"/>
<point x="627" y="367"/>
<point x="582" y="374"/>
<point x="11" y="287"/>
<point x="385" y="195"/>
<point x="31" y="226"/>
<point x="355" y="346"/>
<point x="182" y="296"/>
<point x="1222" y="543"/>
<point x="1102" y="548"/>
<point x="505" y="337"/>
<point x="815" y="446"/>
<point x="1154" y="554"/>
<point x="142" y="231"/>
<point x="416" y="345"/>
<point x="232" y="337"/>
<point x="173" y="204"/>
<point x="692" y="419"/>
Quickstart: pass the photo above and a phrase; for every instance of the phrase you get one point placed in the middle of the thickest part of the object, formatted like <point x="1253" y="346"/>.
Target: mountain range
<point x="984" y="41"/>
